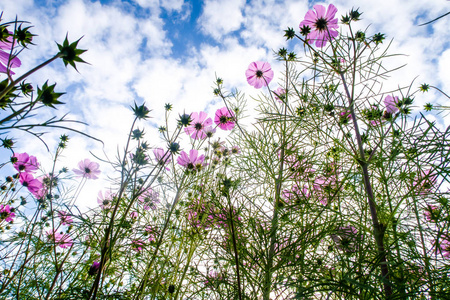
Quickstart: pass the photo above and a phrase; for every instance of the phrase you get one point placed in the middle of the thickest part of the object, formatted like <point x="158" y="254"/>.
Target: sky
<point x="170" y="51"/>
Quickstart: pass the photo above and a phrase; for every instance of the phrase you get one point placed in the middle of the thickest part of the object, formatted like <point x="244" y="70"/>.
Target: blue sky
<point x="161" y="51"/>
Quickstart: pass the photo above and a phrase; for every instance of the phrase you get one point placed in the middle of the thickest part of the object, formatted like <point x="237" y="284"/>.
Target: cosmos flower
<point x="425" y="182"/>
<point x="235" y="150"/>
<point x="7" y="61"/>
<point x="295" y="192"/>
<point x="60" y="239"/>
<point x="280" y="94"/>
<point x="87" y="169"/>
<point x="209" y="131"/>
<point x="322" y="24"/>
<point x="444" y="247"/>
<point x="149" y="198"/>
<point x="224" y="118"/>
<point x="259" y="74"/>
<point x="431" y="213"/>
<point x="6" y="214"/>
<point x="162" y="157"/>
<point x="32" y="184"/>
<point x="137" y="245"/>
<point x="198" y="125"/>
<point x="25" y="163"/>
<point x="104" y="199"/>
<point x="191" y="162"/>
<point x="391" y="104"/>
<point x="65" y="218"/>
<point x="325" y="188"/>
<point x="94" y="268"/>
<point x="346" y="238"/>
<point x="345" y="117"/>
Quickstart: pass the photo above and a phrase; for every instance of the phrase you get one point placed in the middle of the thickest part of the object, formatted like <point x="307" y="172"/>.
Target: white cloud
<point x="221" y="17"/>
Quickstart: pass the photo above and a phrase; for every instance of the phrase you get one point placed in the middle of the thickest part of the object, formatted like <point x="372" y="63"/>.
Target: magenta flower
<point x="104" y="200"/>
<point x="25" y="163"/>
<point x="444" y="247"/>
<point x="322" y="24"/>
<point x="224" y="118"/>
<point x="33" y="185"/>
<point x="87" y="169"/>
<point x="162" y="157"/>
<point x="235" y="150"/>
<point x="94" y="268"/>
<point x="391" y="104"/>
<point x="65" y="218"/>
<point x="134" y="215"/>
<point x="7" y="61"/>
<point x="198" y="125"/>
<point x="425" y="182"/>
<point x="280" y="94"/>
<point x="149" y="198"/>
<point x="346" y="238"/>
<point x="296" y="192"/>
<point x="431" y="213"/>
<point x="191" y="162"/>
<point x="325" y="188"/>
<point x="60" y="239"/>
<point x="345" y="117"/>
<point x="137" y="245"/>
<point x="6" y="214"/>
<point x="259" y="74"/>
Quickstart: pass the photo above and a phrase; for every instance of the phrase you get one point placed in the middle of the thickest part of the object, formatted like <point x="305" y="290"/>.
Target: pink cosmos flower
<point x="431" y="213"/>
<point x="137" y="245"/>
<point x="59" y="238"/>
<point x="346" y="238"/>
<point x="280" y="94"/>
<point x="344" y="117"/>
<point x="209" y="131"/>
<point x="104" y="200"/>
<point x="224" y="118"/>
<point x="391" y="104"/>
<point x="444" y="247"/>
<point x="198" y="125"/>
<point x="65" y="218"/>
<point x="149" y="198"/>
<point x="25" y="163"/>
<point x="6" y="214"/>
<point x="235" y="150"/>
<point x="322" y="23"/>
<point x="7" y="61"/>
<point x="134" y="215"/>
<point x="87" y="169"/>
<point x="424" y="182"/>
<point x="162" y="157"/>
<point x="259" y="74"/>
<point x="151" y="231"/>
<point x="324" y="188"/>
<point x="191" y="162"/>
<point x="294" y="193"/>
<point x="94" y="268"/>
<point x="33" y="185"/>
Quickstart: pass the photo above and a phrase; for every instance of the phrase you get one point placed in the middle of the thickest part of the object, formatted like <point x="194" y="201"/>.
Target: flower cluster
<point x="27" y="165"/>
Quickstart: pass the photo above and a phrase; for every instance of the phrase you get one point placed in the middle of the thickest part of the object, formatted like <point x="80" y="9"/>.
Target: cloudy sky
<point x="169" y="51"/>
